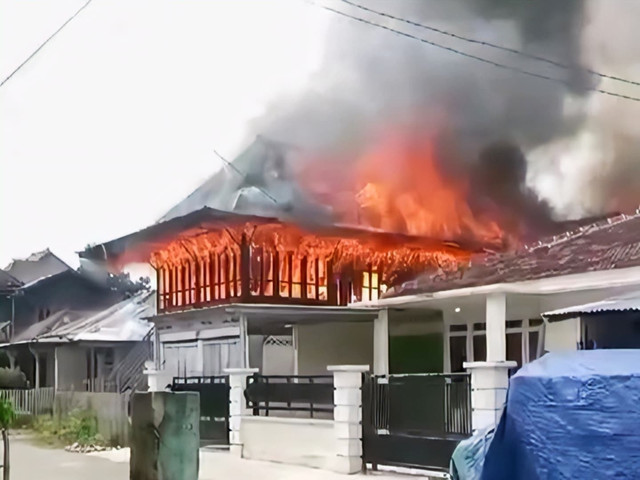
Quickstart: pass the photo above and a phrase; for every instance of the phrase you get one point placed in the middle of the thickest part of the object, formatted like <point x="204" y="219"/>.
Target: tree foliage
<point x="122" y="283"/>
<point x="7" y="414"/>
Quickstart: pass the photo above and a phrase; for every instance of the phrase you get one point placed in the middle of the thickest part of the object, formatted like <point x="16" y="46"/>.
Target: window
<point x="534" y="339"/>
<point x="317" y="278"/>
<point x="457" y="353"/>
<point x="291" y="276"/>
<point x="523" y="339"/>
<point x="370" y="284"/>
<point x="514" y="347"/>
<point x="220" y="355"/>
<point x="181" y="359"/>
<point x="479" y="348"/>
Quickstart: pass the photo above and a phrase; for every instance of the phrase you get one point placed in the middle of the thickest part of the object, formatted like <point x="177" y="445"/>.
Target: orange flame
<point x="398" y="187"/>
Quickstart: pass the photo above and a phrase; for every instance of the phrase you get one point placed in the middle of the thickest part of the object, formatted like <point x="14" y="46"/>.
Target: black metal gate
<point x="415" y="420"/>
<point x="214" y="406"/>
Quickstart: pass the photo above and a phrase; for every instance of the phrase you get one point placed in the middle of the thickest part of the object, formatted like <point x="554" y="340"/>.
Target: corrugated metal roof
<point x="627" y="303"/>
<point x="122" y="322"/>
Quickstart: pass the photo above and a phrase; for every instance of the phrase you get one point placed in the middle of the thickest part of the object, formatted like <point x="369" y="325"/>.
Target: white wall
<point x="297" y="441"/>
<point x="72" y="368"/>
<point x="562" y="336"/>
<point x="333" y="344"/>
<point x="278" y="356"/>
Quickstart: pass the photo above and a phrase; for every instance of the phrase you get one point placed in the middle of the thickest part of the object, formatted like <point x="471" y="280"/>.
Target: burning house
<point x="254" y="256"/>
<point x="276" y="244"/>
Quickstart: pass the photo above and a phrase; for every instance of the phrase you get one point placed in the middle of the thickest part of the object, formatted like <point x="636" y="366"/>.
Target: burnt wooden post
<point x="332" y="289"/>
<point x="276" y="273"/>
<point x="245" y="269"/>
<point x="304" y="265"/>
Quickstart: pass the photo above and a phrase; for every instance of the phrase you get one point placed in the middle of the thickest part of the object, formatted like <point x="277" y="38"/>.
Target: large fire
<point x="397" y="186"/>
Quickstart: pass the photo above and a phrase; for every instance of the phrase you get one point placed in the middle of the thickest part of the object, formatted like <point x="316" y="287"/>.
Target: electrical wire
<point x="464" y="54"/>
<point x="491" y="45"/>
<point x="243" y="175"/>
<point x="35" y="52"/>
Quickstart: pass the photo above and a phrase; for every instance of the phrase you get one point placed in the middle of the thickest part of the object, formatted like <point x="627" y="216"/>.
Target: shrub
<point x="80" y="426"/>
<point x="12" y="378"/>
<point x="7" y="414"/>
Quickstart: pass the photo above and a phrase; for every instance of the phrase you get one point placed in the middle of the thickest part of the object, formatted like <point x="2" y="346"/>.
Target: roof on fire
<point x="608" y="245"/>
<point x="137" y="246"/>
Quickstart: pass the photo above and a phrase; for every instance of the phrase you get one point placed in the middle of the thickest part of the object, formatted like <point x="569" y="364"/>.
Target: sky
<point x="116" y="119"/>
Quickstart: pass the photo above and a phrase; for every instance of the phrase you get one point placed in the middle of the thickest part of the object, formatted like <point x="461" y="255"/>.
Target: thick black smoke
<point x="486" y="117"/>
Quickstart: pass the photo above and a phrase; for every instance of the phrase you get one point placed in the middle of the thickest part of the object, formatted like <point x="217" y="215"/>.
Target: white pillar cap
<point x="504" y="364"/>
<point x="348" y="368"/>
<point x="240" y="371"/>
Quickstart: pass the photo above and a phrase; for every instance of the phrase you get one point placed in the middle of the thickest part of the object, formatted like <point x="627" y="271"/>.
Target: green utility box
<point x="165" y="436"/>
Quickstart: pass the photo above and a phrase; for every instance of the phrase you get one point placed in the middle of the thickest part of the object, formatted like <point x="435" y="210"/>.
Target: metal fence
<point x="421" y="403"/>
<point x="36" y="401"/>
<point x="303" y="394"/>
<point x="214" y="405"/>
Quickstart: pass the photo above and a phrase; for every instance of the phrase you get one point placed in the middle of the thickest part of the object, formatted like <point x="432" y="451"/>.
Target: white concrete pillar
<point x="489" y="383"/>
<point x="237" y="405"/>
<point x="157" y="378"/>
<point x="381" y="343"/>
<point x="496" y="318"/>
<point x="347" y="416"/>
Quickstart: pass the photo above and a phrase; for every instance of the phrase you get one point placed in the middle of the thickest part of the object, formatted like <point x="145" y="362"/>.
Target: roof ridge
<point x="580" y="231"/>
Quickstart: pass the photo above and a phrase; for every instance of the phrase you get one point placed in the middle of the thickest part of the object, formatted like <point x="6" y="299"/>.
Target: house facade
<point x="251" y="273"/>
<point x="52" y="318"/>
<point x="494" y="311"/>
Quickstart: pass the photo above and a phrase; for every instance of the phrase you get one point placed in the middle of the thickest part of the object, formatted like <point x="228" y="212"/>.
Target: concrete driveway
<point x="30" y="461"/>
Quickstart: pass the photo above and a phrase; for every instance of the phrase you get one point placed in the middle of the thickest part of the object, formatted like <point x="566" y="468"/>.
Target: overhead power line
<point x="465" y="54"/>
<point x="243" y="175"/>
<point x="491" y="45"/>
<point x="35" y="52"/>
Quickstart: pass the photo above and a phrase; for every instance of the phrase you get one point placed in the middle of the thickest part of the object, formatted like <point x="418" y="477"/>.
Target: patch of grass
<point x="80" y="426"/>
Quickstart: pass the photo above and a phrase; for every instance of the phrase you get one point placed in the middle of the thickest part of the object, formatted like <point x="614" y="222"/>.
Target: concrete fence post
<point x="489" y="384"/>
<point x="157" y="379"/>
<point x="347" y="416"/>
<point x="237" y="405"/>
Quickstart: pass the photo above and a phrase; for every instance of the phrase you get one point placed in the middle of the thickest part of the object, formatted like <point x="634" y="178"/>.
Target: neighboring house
<point x="8" y="286"/>
<point x="94" y="350"/>
<point x="44" y="291"/>
<point x="613" y="323"/>
<point x="493" y="310"/>
<point x="36" y="266"/>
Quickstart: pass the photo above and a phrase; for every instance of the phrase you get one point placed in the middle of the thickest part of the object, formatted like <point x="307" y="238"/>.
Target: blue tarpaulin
<point x="568" y="416"/>
<point x="468" y="458"/>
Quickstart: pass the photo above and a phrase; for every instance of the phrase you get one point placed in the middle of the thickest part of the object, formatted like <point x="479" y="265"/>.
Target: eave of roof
<point x="627" y="303"/>
<point x="137" y="246"/>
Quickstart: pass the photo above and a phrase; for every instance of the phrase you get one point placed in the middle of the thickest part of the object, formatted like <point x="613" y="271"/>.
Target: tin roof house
<point x="67" y="331"/>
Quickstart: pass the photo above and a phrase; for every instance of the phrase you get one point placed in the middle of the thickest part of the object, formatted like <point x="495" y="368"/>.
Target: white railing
<point x="35" y="401"/>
